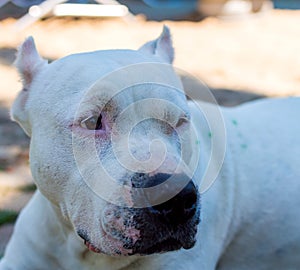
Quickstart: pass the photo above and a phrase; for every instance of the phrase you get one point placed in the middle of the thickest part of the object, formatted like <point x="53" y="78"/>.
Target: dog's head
<point x="111" y="145"/>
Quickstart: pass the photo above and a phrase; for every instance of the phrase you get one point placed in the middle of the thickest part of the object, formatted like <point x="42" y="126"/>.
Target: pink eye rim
<point x="95" y="129"/>
<point x="94" y="122"/>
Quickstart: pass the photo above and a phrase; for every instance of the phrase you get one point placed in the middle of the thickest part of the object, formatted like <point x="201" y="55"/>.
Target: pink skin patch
<point x="113" y="246"/>
<point x="110" y="246"/>
<point x="119" y="229"/>
<point x="118" y="232"/>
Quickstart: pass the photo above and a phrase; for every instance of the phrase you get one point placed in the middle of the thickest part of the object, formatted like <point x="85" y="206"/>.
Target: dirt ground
<point x="240" y="60"/>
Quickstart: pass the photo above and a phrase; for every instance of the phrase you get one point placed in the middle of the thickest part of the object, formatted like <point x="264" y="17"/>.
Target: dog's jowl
<point x="132" y="175"/>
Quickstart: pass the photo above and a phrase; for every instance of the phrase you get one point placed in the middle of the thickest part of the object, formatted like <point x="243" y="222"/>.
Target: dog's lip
<point x="91" y="247"/>
<point x="87" y="243"/>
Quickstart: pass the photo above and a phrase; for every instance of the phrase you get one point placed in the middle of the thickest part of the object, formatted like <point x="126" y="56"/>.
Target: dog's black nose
<point x="180" y="208"/>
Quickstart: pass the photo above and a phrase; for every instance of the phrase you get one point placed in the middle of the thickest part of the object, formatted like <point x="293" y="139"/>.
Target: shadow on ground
<point x="7" y="56"/>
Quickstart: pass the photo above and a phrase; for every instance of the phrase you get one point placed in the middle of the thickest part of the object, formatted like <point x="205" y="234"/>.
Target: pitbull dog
<point x="108" y="127"/>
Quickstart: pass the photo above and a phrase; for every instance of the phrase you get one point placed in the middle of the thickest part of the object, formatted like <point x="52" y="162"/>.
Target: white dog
<point x="119" y="157"/>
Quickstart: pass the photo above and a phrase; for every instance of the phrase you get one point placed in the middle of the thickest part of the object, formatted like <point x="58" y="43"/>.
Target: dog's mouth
<point x="143" y="248"/>
<point x="167" y="245"/>
<point x="91" y="247"/>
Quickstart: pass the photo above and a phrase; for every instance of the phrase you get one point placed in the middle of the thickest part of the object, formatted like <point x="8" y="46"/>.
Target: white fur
<point x="249" y="218"/>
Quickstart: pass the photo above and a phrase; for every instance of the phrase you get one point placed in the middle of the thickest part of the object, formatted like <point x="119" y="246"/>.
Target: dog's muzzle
<point x="157" y="228"/>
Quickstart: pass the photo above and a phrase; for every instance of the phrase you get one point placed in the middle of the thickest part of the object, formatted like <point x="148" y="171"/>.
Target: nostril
<point x="144" y="180"/>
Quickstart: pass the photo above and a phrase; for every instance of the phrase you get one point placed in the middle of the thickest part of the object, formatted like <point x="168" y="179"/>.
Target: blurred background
<point x="242" y="49"/>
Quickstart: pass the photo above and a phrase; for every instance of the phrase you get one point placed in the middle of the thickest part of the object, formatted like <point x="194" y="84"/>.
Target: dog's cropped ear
<point x="161" y="47"/>
<point x="29" y="64"/>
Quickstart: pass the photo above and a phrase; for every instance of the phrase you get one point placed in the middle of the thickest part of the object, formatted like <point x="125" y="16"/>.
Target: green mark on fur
<point x="7" y="216"/>
<point x="244" y="146"/>
<point x="234" y="122"/>
<point x="209" y="134"/>
<point x="197" y="142"/>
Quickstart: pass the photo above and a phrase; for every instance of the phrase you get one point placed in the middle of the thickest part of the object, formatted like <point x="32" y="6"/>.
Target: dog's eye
<point x="182" y="121"/>
<point x="92" y="122"/>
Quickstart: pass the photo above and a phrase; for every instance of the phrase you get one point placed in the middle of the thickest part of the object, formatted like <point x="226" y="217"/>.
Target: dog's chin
<point x="170" y="244"/>
<point x="116" y="247"/>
